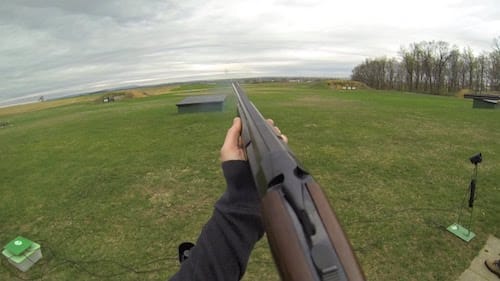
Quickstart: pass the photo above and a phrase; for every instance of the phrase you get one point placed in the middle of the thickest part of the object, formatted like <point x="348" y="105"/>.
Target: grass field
<point x="110" y="190"/>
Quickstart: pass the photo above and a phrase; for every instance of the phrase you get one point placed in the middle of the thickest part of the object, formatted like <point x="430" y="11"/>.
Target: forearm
<point x="226" y="241"/>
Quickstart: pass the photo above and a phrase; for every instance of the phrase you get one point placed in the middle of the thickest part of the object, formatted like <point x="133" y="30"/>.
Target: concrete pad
<point x="493" y="246"/>
<point x="477" y="271"/>
<point x="470" y="276"/>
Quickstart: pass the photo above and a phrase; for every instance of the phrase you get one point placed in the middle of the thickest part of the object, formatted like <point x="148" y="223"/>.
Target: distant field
<point x="110" y="190"/>
<point x="18" y="109"/>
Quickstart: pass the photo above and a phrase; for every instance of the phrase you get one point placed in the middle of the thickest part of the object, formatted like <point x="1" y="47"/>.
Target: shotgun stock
<point x="304" y="234"/>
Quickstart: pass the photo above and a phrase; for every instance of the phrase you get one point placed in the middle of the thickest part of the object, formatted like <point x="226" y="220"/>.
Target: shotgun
<point x="306" y="239"/>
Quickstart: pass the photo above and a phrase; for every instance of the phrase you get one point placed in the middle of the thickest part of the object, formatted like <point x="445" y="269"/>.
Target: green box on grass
<point x="22" y="253"/>
<point x="461" y="232"/>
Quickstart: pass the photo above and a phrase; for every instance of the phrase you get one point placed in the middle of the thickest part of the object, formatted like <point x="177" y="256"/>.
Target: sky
<point x="54" y="48"/>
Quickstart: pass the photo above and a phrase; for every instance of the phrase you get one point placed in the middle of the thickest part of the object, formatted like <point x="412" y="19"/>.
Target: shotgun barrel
<point x="306" y="239"/>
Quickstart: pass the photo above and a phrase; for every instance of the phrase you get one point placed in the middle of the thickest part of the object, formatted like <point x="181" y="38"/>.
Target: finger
<point x="233" y="134"/>
<point x="284" y="138"/>
<point x="277" y="130"/>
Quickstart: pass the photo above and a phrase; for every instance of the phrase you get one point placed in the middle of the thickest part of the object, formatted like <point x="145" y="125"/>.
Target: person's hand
<point x="277" y="131"/>
<point x="232" y="149"/>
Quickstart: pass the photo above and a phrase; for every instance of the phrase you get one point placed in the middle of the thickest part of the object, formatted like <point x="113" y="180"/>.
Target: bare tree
<point x="409" y="64"/>
<point x="428" y="57"/>
<point x="494" y="68"/>
<point x="481" y="63"/>
<point x="470" y="64"/>
<point x="417" y="54"/>
<point x="454" y="66"/>
<point x="442" y="56"/>
<point x="392" y="66"/>
<point x="433" y="67"/>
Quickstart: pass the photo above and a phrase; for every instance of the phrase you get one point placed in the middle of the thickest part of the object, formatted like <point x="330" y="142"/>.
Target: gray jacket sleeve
<point x="226" y="241"/>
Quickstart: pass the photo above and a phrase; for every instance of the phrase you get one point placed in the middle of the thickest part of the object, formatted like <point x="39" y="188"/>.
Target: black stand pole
<point x="457" y="229"/>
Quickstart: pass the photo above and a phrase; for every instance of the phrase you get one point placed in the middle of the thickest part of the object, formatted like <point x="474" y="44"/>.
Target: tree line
<point x="433" y="67"/>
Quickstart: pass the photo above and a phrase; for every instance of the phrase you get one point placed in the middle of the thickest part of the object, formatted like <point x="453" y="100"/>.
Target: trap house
<point x="22" y="253"/>
<point x="201" y="104"/>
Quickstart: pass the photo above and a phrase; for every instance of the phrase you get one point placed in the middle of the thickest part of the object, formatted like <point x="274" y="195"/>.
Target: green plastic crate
<point x="22" y="253"/>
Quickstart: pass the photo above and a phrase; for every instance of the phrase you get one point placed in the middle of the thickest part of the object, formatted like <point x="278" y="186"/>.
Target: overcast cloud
<point x="60" y="47"/>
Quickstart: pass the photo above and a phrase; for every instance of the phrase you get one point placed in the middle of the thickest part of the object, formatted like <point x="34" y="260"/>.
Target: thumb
<point x="233" y="133"/>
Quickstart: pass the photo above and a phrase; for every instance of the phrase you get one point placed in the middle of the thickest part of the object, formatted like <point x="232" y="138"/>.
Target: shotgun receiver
<point x="304" y="234"/>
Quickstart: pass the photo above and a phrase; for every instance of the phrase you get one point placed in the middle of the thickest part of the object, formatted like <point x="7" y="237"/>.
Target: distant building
<point x="108" y="99"/>
<point x="485" y="103"/>
<point x="202" y="104"/>
<point x="488" y="97"/>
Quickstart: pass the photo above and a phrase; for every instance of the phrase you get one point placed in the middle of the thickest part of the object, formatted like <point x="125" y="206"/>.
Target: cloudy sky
<point x="60" y="47"/>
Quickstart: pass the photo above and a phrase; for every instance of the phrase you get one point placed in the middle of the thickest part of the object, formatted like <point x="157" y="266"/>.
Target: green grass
<point x="110" y="190"/>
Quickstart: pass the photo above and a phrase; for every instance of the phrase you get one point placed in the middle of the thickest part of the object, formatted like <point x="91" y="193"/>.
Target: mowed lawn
<point x="110" y="190"/>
